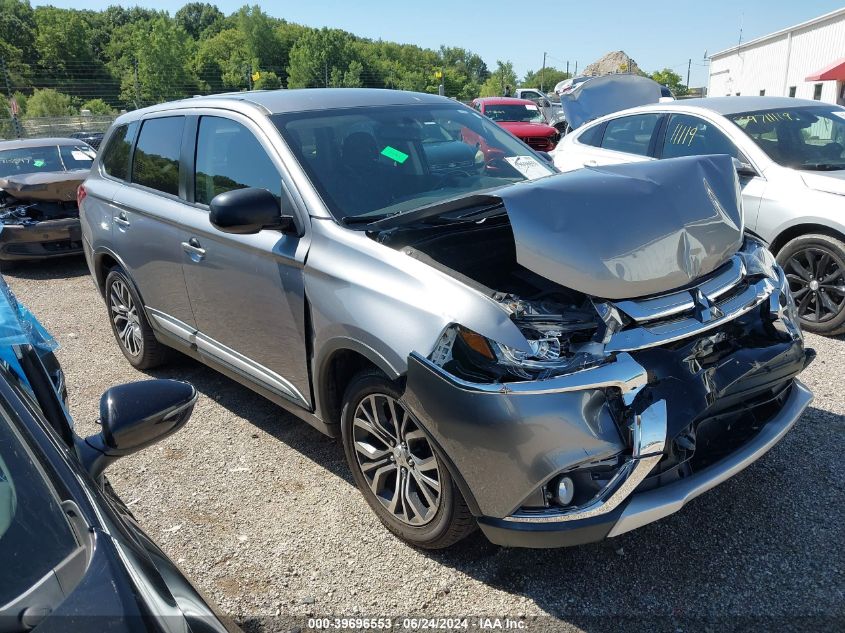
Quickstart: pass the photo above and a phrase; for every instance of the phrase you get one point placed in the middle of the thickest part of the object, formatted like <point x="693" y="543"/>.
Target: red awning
<point x="836" y="71"/>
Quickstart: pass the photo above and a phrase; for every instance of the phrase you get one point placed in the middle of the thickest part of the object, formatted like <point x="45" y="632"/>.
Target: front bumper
<point x="674" y="415"/>
<point x="42" y="240"/>
<point x="646" y="507"/>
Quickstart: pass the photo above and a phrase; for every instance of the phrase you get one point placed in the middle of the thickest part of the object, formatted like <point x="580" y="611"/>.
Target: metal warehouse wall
<point x="780" y="61"/>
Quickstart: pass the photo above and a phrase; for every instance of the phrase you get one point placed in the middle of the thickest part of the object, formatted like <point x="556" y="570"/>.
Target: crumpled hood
<point x="603" y="95"/>
<point x="522" y="128"/>
<point x="58" y="186"/>
<point x="631" y="230"/>
<point x="827" y="181"/>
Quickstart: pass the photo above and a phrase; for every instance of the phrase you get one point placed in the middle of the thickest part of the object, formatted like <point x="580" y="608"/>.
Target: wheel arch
<point x="797" y="230"/>
<point x="340" y="360"/>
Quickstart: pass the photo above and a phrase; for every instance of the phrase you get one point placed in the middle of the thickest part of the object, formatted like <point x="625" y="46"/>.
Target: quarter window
<point x="156" y="161"/>
<point x="592" y="136"/>
<point x="691" y="136"/>
<point x="116" y="153"/>
<point x="630" y="134"/>
<point x="230" y="157"/>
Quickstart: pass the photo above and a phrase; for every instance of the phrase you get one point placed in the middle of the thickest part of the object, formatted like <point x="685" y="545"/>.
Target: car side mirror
<point x="546" y="103"/>
<point x="547" y="156"/>
<point x="134" y="416"/>
<point x="744" y="169"/>
<point x="247" y="211"/>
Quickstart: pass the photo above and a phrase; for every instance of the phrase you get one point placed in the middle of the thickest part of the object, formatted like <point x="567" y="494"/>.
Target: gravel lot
<point x="260" y="511"/>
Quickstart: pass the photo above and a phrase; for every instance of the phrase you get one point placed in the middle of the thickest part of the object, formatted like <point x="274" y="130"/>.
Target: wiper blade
<point x="823" y="166"/>
<point x="355" y="220"/>
<point x="438" y="208"/>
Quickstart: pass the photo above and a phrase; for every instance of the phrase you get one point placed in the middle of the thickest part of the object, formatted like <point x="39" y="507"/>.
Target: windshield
<point x="29" y="160"/>
<point x="368" y="163"/>
<point x="811" y="137"/>
<point x="521" y="112"/>
<point x="34" y="534"/>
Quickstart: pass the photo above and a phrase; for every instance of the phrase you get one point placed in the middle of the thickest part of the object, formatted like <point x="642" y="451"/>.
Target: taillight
<point x="81" y="194"/>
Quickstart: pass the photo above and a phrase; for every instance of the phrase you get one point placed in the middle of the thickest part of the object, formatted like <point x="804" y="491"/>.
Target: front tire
<point x="129" y="323"/>
<point x="397" y="469"/>
<point x="814" y="265"/>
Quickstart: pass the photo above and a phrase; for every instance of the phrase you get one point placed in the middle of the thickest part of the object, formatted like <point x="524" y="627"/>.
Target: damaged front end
<point x="618" y="409"/>
<point x="39" y="216"/>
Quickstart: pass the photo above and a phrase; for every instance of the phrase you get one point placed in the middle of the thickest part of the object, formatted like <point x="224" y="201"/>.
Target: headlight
<point x="553" y="348"/>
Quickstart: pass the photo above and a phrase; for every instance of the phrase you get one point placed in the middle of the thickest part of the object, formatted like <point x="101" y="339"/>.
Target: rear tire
<point x="129" y="323"/>
<point x="815" y="268"/>
<point x="398" y="471"/>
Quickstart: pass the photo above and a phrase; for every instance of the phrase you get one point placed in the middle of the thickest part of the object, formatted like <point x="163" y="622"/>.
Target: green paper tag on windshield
<point x="394" y="154"/>
<point x="38" y="162"/>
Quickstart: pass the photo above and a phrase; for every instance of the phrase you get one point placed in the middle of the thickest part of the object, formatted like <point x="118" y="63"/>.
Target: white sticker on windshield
<point x="528" y="166"/>
<point x="81" y="155"/>
<point x="530" y="106"/>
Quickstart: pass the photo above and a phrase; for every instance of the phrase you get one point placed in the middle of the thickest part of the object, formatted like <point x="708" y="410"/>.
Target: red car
<point x="520" y="117"/>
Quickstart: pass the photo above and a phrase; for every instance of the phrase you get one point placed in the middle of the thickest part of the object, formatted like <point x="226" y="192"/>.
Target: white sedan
<point x="791" y="164"/>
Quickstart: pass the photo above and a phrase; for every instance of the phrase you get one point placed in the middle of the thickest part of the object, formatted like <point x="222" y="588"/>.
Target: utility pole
<point x="576" y="68"/>
<point x="689" y="67"/>
<point x="543" y="72"/>
<point x="137" y="86"/>
<point x="567" y="70"/>
<point x="249" y="76"/>
<point x="16" y="125"/>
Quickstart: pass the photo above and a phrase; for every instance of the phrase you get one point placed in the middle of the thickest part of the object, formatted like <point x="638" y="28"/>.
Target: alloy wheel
<point x="396" y="459"/>
<point x="817" y="280"/>
<point x="124" y="314"/>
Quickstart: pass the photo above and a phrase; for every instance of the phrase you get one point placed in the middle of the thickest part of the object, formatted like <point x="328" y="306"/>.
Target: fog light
<point x="564" y="491"/>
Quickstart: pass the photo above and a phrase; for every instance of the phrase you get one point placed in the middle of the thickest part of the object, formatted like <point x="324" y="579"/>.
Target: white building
<point x="806" y="61"/>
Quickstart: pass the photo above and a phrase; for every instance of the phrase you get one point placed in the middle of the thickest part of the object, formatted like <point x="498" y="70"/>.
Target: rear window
<point x="116" y="153"/>
<point x="592" y="136"/>
<point x="630" y="134"/>
<point x="156" y="161"/>
<point x="77" y="156"/>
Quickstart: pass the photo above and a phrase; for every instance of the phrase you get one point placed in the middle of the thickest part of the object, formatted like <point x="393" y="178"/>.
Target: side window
<point x="156" y="162"/>
<point x="116" y="153"/>
<point x="691" y="136"/>
<point x="630" y="134"/>
<point x="592" y="136"/>
<point x="230" y="157"/>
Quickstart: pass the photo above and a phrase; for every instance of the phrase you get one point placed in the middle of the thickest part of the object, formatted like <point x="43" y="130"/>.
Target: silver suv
<point x="555" y="358"/>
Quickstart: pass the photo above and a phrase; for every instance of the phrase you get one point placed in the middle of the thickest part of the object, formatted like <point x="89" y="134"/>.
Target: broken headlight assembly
<point x="758" y="259"/>
<point x="554" y="347"/>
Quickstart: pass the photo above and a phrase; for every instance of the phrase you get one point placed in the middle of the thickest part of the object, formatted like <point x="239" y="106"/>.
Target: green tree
<point x="320" y="59"/>
<point x="672" y="80"/>
<point x="48" y="102"/>
<point x="17" y="37"/>
<point x="548" y="78"/>
<point x="97" y="106"/>
<point x="499" y="79"/>
<point x="267" y="81"/>
<point x="223" y="61"/>
<point x="199" y="19"/>
<point x="67" y="60"/>
<point x="152" y="60"/>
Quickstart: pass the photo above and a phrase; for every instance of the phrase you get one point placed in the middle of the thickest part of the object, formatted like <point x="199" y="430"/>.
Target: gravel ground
<point x="260" y="511"/>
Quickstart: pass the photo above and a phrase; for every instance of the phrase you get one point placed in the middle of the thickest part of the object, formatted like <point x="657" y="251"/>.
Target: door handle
<point x="121" y="220"/>
<point x="193" y="248"/>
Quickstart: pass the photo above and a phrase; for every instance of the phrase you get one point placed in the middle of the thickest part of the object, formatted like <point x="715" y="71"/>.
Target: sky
<point x="655" y="34"/>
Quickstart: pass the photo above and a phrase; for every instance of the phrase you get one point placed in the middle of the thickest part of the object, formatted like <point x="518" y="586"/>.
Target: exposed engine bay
<point x="557" y="322"/>
<point x="31" y="198"/>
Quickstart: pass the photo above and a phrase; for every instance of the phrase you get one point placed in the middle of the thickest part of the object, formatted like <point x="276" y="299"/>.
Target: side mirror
<point x="546" y="103"/>
<point x="246" y="211"/>
<point x="135" y="416"/>
<point x="547" y="156"/>
<point x="744" y="169"/>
